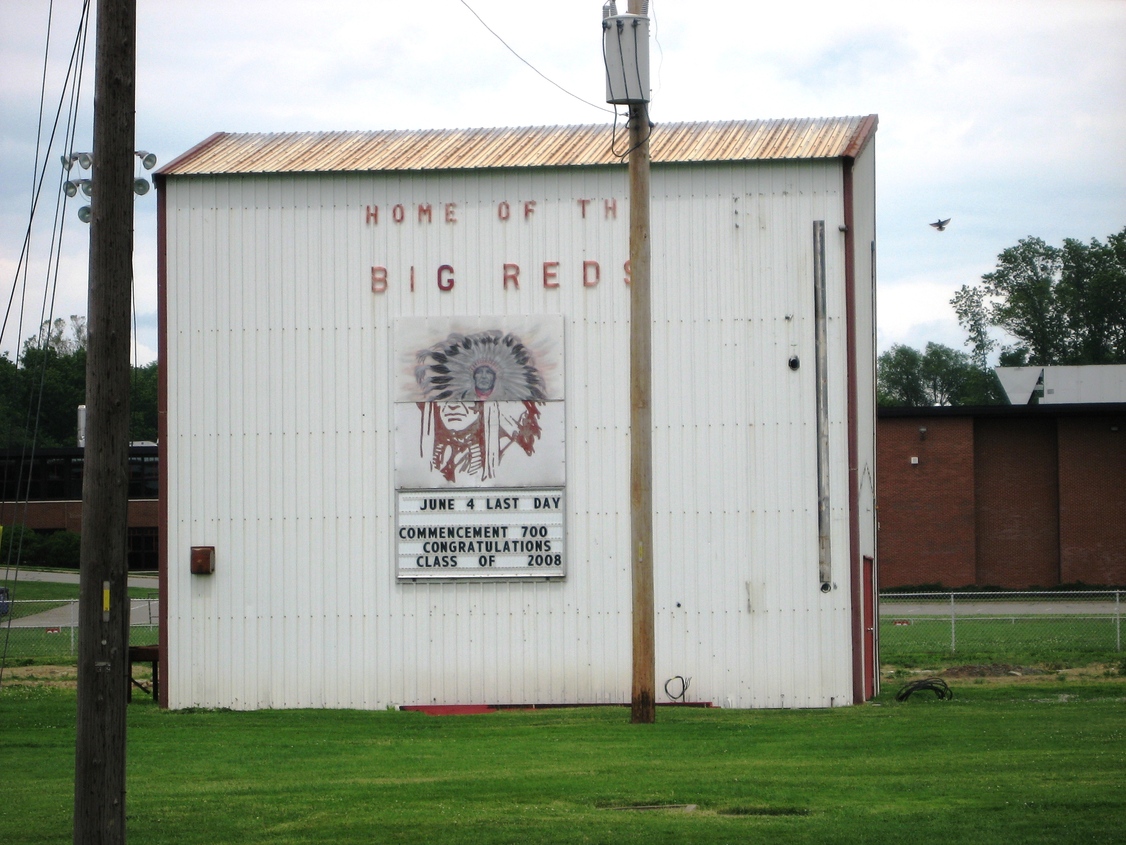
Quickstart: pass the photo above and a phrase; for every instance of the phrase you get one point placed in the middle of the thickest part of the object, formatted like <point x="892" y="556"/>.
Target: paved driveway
<point x="141" y="611"/>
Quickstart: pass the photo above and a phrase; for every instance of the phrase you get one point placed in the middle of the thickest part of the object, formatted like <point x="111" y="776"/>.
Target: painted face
<point x="458" y="416"/>
<point x="484" y="380"/>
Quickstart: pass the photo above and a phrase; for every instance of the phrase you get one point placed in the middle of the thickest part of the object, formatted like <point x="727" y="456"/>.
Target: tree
<point x="142" y="403"/>
<point x="53" y="336"/>
<point x="40" y="393"/>
<point x="1061" y="305"/>
<point x="899" y="379"/>
<point x="937" y="376"/>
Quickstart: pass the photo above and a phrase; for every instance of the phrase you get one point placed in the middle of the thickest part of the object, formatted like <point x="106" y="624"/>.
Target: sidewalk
<point x="141" y="611"/>
<point x="60" y="577"/>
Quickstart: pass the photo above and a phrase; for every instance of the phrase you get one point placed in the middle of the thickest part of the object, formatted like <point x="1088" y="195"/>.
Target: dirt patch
<point x="41" y="676"/>
<point x="994" y="674"/>
<point x="64" y="677"/>
<point x="992" y="670"/>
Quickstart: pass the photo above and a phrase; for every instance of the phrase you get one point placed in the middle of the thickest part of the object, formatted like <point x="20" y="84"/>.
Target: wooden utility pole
<point x="103" y="612"/>
<point x="643" y="701"/>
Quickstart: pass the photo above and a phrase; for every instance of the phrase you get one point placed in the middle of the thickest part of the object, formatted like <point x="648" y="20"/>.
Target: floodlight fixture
<point x="148" y="160"/>
<point x="140" y="186"/>
<point x="85" y="160"/>
<point x="87" y="186"/>
<point x="70" y="188"/>
<point x="84" y="214"/>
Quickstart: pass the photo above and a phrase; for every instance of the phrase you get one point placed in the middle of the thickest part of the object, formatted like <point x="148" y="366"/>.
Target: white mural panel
<point x="478" y="408"/>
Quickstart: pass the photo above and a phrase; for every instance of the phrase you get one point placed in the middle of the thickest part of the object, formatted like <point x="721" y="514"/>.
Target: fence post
<point x="1118" y="620"/>
<point x="953" y="637"/>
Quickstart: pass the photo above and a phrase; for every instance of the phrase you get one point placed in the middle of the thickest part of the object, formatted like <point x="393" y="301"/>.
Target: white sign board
<point x="511" y="533"/>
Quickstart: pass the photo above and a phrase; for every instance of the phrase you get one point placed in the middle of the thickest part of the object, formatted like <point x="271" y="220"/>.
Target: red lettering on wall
<point x="378" y="279"/>
<point x="412" y="278"/>
<point x="371" y="215"/>
<point x="504" y="211"/>
<point x="425" y="211"/>
<point x="512" y="274"/>
<point x="592" y="273"/>
<point x="550" y="274"/>
<point x="445" y="277"/>
<point x="529" y="207"/>
<point x="451" y="212"/>
<point x="398" y="213"/>
<point x="626" y="268"/>
<point x="583" y="204"/>
<point x="611" y="208"/>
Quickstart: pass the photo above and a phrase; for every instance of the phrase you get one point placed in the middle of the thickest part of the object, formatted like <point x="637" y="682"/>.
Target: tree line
<point x="1059" y="305"/>
<point x="40" y="391"/>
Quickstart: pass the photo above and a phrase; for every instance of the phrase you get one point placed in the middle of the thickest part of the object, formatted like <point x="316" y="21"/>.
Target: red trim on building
<point x="856" y="574"/>
<point x="162" y="425"/>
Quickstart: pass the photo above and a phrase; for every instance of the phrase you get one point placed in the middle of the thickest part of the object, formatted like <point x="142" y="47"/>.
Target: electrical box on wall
<point x="203" y="560"/>
<point x="625" y="48"/>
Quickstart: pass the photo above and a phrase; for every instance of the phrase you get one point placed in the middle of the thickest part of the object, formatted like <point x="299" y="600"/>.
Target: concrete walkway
<point x="1002" y="607"/>
<point x="141" y="611"/>
<point x="69" y="577"/>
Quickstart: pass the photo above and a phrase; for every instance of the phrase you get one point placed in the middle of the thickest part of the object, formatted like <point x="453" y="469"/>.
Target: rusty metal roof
<point x="537" y="146"/>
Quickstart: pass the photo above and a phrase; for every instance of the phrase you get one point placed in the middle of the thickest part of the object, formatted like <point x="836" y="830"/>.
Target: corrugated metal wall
<point x="280" y="437"/>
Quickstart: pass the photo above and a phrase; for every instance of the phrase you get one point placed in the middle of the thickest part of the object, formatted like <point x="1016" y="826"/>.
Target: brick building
<point x="42" y="490"/>
<point x="1011" y="496"/>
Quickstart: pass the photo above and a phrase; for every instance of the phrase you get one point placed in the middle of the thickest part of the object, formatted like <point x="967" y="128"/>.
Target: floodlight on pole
<point x="84" y="214"/>
<point x="148" y="160"/>
<point x="140" y="186"/>
<point x="85" y="160"/>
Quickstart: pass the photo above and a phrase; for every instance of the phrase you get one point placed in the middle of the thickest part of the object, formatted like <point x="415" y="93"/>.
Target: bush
<point x="23" y="546"/>
<point x="61" y="549"/>
<point x="20" y="545"/>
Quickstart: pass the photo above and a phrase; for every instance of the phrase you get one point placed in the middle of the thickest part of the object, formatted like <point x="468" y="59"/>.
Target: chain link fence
<point x="1002" y="627"/>
<point x="40" y="631"/>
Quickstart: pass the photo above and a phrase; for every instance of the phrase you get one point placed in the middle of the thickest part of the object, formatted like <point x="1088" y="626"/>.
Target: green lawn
<point x="1022" y="640"/>
<point x="1035" y="762"/>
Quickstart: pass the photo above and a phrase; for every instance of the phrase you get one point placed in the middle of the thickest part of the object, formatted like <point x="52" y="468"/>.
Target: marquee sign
<point x="514" y="533"/>
<point x="479" y="448"/>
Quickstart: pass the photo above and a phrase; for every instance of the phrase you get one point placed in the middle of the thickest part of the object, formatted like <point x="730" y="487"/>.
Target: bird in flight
<point x="941" y="224"/>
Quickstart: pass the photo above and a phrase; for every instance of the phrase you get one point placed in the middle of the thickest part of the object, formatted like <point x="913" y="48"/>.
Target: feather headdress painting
<point x="476" y="387"/>
<point x="482" y="367"/>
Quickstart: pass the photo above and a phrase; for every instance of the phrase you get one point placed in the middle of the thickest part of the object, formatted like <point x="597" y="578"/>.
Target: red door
<point x="870" y="615"/>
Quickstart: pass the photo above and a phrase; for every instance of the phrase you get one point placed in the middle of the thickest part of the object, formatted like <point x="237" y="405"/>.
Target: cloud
<point x="1006" y="116"/>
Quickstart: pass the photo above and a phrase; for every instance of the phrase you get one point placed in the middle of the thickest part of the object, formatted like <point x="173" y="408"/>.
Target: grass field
<point x="1056" y="640"/>
<point x="1027" y="762"/>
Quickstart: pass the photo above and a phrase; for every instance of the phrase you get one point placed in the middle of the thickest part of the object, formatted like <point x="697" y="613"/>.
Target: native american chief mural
<point x="485" y="396"/>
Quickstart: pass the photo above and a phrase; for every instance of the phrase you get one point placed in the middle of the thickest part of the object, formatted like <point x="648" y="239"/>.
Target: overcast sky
<point x="1008" y="117"/>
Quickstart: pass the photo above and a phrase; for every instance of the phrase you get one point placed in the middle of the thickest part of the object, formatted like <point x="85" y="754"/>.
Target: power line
<point x="72" y="85"/>
<point x="529" y="64"/>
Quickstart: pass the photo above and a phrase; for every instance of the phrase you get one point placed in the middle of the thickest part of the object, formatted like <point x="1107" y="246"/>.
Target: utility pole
<point x="643" y="701"/>
<point x="643" y="698"/>
<point x="103" y="642"/>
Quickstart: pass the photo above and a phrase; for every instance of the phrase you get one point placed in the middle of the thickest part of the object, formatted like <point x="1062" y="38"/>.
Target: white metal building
<point x="327" y="543"/>
<point x="1064" y="385"/>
